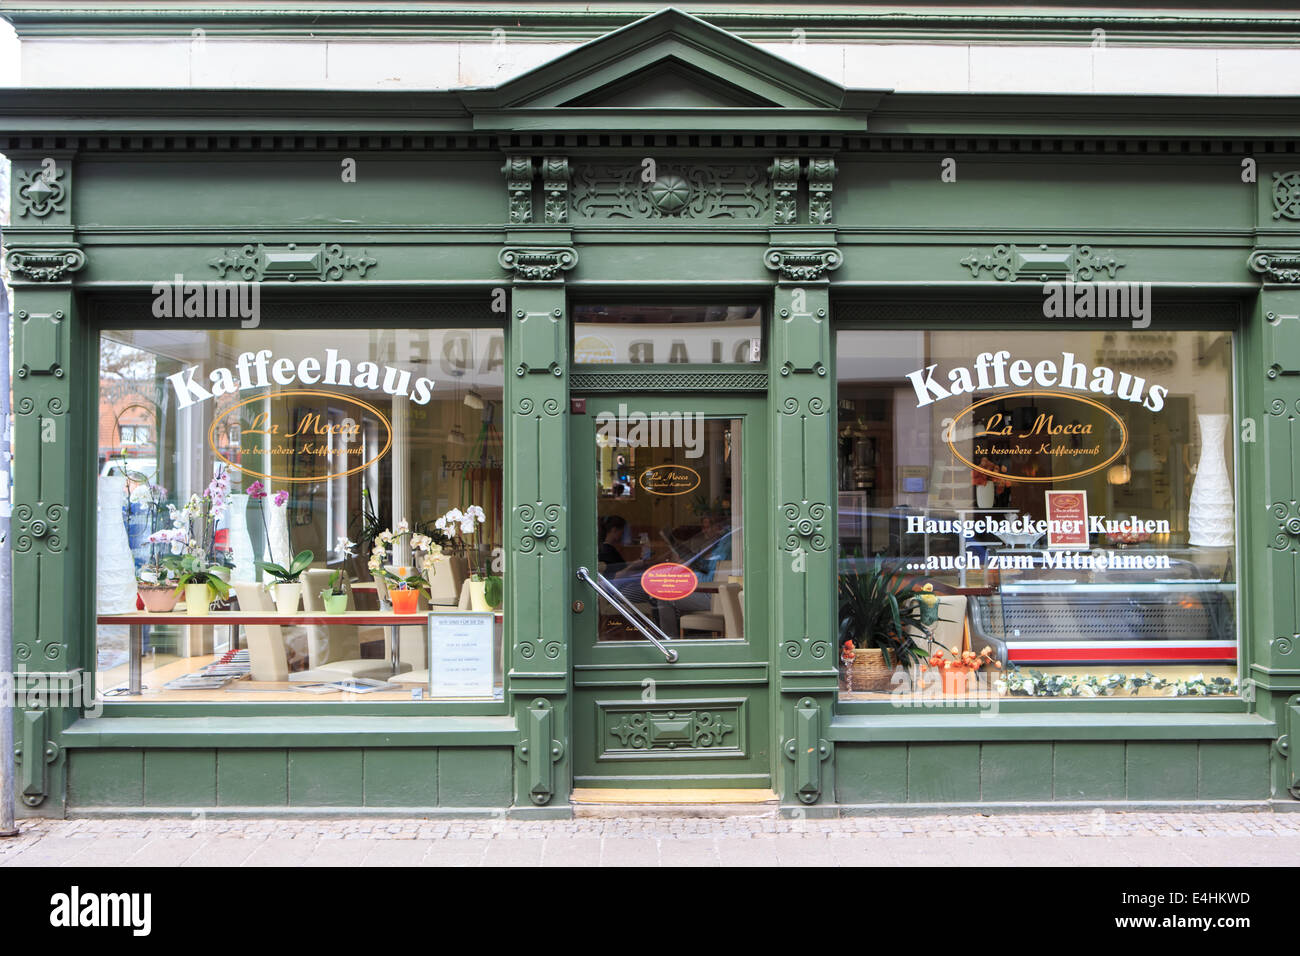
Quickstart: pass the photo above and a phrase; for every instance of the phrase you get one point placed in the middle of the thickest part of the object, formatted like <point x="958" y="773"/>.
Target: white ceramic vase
<point x="287" y="596"/>
<point x="1211" y="521"/>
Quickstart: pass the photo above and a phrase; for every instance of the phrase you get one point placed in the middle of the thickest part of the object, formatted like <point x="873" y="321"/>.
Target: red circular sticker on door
<point x="669" y="582"/>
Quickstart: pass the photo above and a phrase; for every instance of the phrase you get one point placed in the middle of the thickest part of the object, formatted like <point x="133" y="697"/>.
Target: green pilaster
<point x="537" y="562"/>
<point x="802" y="398"/>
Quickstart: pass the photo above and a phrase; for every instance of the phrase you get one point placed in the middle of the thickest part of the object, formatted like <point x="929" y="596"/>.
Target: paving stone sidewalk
<point x="1051" y="839"/>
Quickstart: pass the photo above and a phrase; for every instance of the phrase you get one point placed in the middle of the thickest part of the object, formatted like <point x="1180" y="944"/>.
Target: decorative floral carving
<point x="518" y="171"/>
<point x="1286" y="195"/>
<point x="322" y="261"/>
<point x="46" y="263"/>
<point x="541" y="526"/>
<point x="41" y="191"/>
<point x="1009" y="262"/>
<point x="537" y="263"/>
<point x="806" y="522"/>
<point x="1276" y="265"/>
<point x="555" y="185"/>
<point x="29" y="528"/>
<point x="785" y="189"/>
<point x="821" y="180"/>
<point x="677" y="192"/>
<point x="672" y="730"/>
<point x="803" y="264"/>
<point x="1288" y="526"/>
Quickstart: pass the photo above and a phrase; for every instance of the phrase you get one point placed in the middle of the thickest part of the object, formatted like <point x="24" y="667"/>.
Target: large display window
<point x="1036" y="514"/>
<point x="280" y="511"/>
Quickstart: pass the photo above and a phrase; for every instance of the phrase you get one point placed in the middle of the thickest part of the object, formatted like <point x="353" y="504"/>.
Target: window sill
<point x="264" y="732"/>
<point x="898" y="727"/>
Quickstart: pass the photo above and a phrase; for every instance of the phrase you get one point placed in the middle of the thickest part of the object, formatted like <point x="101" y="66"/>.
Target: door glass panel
<point x="670" y="533"/>
<point x="667" y="335"/>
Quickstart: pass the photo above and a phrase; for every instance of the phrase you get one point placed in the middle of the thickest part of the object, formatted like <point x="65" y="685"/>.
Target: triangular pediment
<point x="670" y="70"/>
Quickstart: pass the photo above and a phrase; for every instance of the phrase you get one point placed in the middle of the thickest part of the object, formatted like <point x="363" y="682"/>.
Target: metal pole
<point x="7" y="828"/>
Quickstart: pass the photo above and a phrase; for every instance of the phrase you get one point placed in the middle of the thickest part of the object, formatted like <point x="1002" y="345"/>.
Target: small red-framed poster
<point x="1067" y="519"/>
<point x="669" y="582"/>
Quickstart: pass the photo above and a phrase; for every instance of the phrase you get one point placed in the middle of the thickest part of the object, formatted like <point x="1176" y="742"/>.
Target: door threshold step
<point x="672" y="802"/>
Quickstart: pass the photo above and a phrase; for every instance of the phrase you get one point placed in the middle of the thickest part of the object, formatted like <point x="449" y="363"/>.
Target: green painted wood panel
<point x="943" y="773"/>
<point x="180" y="778"/>
<point x="871" y="774"/>
<point x="105" y="778"/>
<point x="403" y="777"/>
<point x="325" y="778"/>
<point x="1088" y="771"/>
<point x="474" y="778"/>
<point x="252" y="778"/>
<point x="1164" y="770"/>
<point x="1232" y="771"/>
<point x="1016" y="772"/>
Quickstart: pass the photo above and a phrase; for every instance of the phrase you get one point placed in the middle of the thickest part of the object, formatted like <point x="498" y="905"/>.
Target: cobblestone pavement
<point x="1074" y="839"/>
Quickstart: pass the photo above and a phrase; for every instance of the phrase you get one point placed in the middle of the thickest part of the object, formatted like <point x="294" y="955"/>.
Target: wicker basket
<point x="870" y="670"/>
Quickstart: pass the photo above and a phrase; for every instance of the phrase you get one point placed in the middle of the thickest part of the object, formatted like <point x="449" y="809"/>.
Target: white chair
<point x="446" y="574"/>
<point x="724" y="617"/>
<point x="266" y="652"/>
<point x="334" y="651"/>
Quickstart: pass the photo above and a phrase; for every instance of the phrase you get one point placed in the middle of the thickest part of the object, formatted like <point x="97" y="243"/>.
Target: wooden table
<point x="137" y="621"/>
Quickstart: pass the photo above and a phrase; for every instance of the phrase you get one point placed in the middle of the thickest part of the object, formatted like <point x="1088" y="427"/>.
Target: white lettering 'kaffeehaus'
<point x="259" y="370"/>
<point x="77" y="909"/>
<point x="999" y="371"/>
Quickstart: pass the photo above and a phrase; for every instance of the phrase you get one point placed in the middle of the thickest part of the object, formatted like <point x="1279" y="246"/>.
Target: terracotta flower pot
<point x="404" y="602"/>
<point x="158" y="598"/>
<point x="954" y="681"/>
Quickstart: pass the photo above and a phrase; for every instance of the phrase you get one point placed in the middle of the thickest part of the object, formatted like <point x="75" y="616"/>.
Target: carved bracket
<point x="519" y="172"/>
<point x="821" y="180"/>
<point x="802" y="264"/>
<point x="1009" y="262"/>
<point x="45" y="263"/>
<point x="536" y="263"/>
<point x="40" y="191"/>
<point x="555" y="187"/>
<point x="322" y="261"/>
<point x="1276" y="265"/>
<point x="807" y="749"/>
<point x="785" y="189"/>
<point x="540" y="751"/>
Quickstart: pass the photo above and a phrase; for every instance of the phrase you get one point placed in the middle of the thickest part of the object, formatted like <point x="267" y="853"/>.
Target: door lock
<point x="578" y="607"/>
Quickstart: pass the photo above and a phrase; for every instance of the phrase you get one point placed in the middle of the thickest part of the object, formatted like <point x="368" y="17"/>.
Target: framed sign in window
<point x="460" y="654"/>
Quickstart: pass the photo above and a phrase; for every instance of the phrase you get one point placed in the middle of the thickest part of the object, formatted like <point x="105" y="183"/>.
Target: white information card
<point x="460" y="654"/>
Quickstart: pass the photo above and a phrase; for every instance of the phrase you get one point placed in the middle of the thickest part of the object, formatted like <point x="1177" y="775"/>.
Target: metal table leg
<point x="134" y="653"/>
<point x="393" y="640"/>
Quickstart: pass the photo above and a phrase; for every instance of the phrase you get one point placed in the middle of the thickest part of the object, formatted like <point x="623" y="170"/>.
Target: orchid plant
<point x="460" y="524"/>
<point x="420" y="544"/>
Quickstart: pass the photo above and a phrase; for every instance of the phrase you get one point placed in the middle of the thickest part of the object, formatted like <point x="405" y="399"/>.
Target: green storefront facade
<point x="511" y="209"/>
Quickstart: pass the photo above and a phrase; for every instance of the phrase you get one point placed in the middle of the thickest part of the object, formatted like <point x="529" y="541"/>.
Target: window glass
<point x="1053" y="511"/>
<point x="327" y="460"/>
<point x="667" y="335"/>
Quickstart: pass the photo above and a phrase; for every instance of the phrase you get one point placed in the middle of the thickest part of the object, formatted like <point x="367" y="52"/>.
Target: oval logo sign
<point x="1038" y="436"/>
<point x="669" y="480"/>
<point x="298" y="435"/>
<point x="669" y="582"/>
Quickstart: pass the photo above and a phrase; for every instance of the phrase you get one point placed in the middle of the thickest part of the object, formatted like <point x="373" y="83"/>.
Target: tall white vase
<point x="277" y="529"/>
<point x="114" y="567"/>
<point x="1211" y="521"/>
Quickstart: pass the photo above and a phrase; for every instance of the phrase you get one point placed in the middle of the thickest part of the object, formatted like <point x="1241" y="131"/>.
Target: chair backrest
<point x="732" y="614"/>
<point x="446" y="575"/>
<point x="339" y="642"/>
<point x="267" y="657"/>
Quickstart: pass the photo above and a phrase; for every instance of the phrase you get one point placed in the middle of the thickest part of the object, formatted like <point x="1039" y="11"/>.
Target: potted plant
<point x="400" y="577"/>
<point x="880" y="619"/>
<point x="335" y="598"/>
<point x="955" y="671"/>
<point x="288" y="581"/>
<point x="403" y="589"/>
<point x="457" y="525"/>
<point x="157" y="592"/>
<point x="198" y="580"/>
